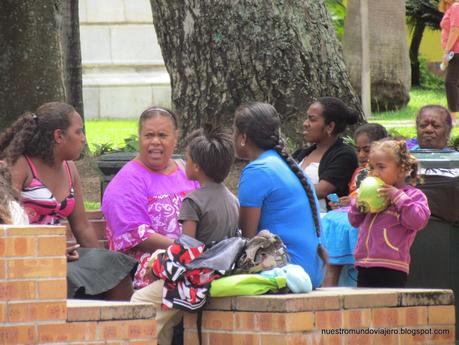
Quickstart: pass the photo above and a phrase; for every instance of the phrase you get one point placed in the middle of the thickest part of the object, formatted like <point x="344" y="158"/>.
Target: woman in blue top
<point x="274" y="193"/>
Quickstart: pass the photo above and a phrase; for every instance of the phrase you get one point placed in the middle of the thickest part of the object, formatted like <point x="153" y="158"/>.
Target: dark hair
<point x="403" y="158"/>
<point x="335" y="110"/>
<point x="212" y="149"/>
<point x="32" y="134"/>
<point x="439" y="109"/>
<point x="158" y="111"/>
<point x="374" y="131"/>
<point x="7" y="194"/>
<point x="261" y="123"/>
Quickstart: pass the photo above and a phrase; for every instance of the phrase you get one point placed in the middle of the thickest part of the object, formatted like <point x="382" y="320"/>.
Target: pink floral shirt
<point x="139" y="203"/>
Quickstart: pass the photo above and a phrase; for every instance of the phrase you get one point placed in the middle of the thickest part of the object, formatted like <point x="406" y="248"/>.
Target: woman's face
<point x="73" y="139"/>
<point x="362" y="146"/>
<point x="315" y="128"/>
<point x="432" y="130"/>
<point x="157" y="141"/>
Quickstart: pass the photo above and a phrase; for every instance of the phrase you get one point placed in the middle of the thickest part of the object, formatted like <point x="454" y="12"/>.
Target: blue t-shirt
<point x="269" y="184"/>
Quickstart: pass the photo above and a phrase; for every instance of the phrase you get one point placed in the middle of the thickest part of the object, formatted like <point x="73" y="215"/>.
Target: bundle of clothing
<point x="232" y="267"/>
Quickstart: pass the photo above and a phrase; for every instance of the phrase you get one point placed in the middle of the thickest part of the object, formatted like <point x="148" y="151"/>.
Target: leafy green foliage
<point x="337" y="11"/>
<point x="100" y="149"/>
<point x="429" y="80"/>
<point x="454" y="142"/>
<point x="425" y="11"/>
<point x="131" y="144"/>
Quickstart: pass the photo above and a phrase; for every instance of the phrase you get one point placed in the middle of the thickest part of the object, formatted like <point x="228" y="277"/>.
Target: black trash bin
<point x="109" y="164"/>
<point x="435" y="251"/>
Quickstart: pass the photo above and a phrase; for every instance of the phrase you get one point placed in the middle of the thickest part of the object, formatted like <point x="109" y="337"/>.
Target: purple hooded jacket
<point x="385" y="238"/>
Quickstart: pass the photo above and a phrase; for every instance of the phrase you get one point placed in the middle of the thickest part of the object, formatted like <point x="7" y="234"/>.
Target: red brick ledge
<point x="334" y="299"/>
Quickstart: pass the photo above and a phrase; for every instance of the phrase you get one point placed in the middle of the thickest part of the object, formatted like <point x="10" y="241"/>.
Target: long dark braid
<point x="280" y="149"/>
<point x="261" y="123"/>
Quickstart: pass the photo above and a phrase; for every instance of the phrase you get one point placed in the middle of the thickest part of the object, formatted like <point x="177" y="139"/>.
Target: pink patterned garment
<point x="139" y="203"/>
<point x="40" y="204"/>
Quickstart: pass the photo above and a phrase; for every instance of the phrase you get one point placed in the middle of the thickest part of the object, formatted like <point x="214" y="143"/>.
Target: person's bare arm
<point x="323" y="188"/>
<point x="189" y="228"/>
<point x="154" y="242"/>
<point x="249" y="217"/>
<point x="79" y="223"/>
<point x="20" y="173"/>
<point x="452" y="38"/>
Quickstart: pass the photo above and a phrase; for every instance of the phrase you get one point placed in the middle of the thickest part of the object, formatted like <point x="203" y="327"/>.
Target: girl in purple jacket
<point x="382" y="254"/>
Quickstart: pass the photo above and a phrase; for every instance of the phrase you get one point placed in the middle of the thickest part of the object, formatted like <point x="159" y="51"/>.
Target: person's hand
<point x="71" y="253"/>
<point x="387" y="191"/>
<point x="334" y="205"/>
<point x="445" y="61"/>
<point x="345" y="201"/>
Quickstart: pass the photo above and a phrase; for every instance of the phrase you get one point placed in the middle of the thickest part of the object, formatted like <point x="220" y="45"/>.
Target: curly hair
<point x="32" y="134"/>
<point x="7" y="194"/>
<point x="403" y="158"/>
<point x="261" y="123"/>
<point x="212" y="149"/>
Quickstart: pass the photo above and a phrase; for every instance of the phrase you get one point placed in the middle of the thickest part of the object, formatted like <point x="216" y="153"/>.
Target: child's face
<point x="362" y="143"/>
<point x="191" y="169"/>
<point x="382" y="164"/>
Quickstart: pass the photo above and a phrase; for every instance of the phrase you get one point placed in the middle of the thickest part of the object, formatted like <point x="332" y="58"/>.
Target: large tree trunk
<point x="389" y="61"/>
<point x="39" y="48"/>
<point x="221" y="53"/>
<point x="418" y="32"/>
<point x="71" y="54"/>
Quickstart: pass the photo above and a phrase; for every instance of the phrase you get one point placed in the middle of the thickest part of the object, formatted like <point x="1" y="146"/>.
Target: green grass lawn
<point x="418" y="98"/>
<point x="109" y="131"/>
<point x="114" y="131"/>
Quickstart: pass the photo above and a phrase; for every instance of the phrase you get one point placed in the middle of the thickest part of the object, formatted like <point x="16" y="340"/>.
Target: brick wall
<point x="302" y="319"/>
<point x="33" y="304"/>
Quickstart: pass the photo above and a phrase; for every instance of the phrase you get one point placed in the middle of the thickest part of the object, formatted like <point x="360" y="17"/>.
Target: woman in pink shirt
<point x="450" y="44"/>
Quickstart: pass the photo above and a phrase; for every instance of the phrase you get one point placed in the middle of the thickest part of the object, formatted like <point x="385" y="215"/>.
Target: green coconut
<point x="368" y="199"/>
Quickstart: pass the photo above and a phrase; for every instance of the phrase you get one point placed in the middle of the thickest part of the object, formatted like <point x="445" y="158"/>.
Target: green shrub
<point x="429" y="80"/>
<point x="100" y="149"/>
<point x="131" y="144"/>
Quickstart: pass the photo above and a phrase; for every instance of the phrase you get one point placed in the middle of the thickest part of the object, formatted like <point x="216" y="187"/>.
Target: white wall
<point x="123" y="69"/>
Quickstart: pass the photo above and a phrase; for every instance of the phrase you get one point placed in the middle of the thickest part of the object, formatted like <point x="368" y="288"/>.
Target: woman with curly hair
<point x="40" y="148"/>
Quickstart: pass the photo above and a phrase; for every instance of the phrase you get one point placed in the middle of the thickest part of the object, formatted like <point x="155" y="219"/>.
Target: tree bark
<point x="71" y="52"/>
<point x="35" y="57"/>
<point x="389" y="62"/>
<point x="222" y="53"/>
<point x="418" y="32"/>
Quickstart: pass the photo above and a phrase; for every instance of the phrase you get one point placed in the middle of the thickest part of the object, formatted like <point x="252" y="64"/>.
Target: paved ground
<point x="395" y="123"/>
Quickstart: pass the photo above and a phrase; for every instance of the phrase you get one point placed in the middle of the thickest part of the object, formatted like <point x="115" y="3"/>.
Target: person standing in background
<point x="450" y="44"/>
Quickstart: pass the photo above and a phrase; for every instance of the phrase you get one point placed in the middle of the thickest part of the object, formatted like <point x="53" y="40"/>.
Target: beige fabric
<point x="165" y="319"/>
